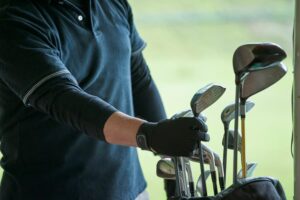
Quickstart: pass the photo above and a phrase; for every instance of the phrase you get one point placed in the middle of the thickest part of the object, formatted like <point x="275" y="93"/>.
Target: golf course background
<point x="190" y="44"/>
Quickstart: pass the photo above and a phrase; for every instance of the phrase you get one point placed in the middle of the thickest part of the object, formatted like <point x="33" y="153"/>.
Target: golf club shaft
<point x="190" y="177"/>
<point x="184" y="177"/>
<point x="179" y="188"/>
<point x="243" y="153"/>
<point x="225" y="148"/>
<point x="243" y="149"/>
<point x="236" y="127"/>
<point x="202" y="169"/>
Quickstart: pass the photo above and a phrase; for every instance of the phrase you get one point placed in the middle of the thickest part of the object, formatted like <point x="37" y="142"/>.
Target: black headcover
<point x="259" y="188"/>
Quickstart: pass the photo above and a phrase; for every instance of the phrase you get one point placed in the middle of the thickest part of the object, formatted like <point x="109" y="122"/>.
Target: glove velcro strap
<point x="142" y="141"/>
<point x="142" y="137"/>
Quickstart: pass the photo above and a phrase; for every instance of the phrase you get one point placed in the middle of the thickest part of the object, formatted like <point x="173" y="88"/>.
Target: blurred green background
<point x="191" y="43"/>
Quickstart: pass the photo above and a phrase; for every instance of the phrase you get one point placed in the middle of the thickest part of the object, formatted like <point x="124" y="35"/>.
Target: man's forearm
<point x="121" y="129"/>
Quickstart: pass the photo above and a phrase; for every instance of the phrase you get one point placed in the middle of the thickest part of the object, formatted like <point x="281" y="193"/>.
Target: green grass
<point x="190" y="44"/>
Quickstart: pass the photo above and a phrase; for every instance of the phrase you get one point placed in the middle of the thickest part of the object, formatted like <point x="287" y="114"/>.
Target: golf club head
<point x="208" y="157"/>
<point x="199" y="186"/>
<point x="195" y="157"/>
<point x="256" y="56"/>
<point x="228" y="112"/>
<point x="250" y="169"/>
<point x="185" y="113"/>
<point x="165" y="168"/>
<point x="205" y="97"/>
<point x="218" y="161"/>
<point x="231" y="141"/>
<point x="211" y="157"/>
<point x="257" y="81"/>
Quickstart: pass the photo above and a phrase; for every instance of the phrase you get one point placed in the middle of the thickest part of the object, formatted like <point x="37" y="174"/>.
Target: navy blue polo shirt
<point x="94" y="44"/>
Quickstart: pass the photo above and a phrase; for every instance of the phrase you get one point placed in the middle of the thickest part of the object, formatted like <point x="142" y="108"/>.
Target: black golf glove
<point x="172" y="137"/>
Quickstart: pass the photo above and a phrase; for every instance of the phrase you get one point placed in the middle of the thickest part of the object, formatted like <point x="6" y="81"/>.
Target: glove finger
<point x="203" y="136"/>
<point x="199" y="125"/>
<point x="202" y="117"/>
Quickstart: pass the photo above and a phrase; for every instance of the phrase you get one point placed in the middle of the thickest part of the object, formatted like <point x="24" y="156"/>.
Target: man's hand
<point x="172" y="137"/>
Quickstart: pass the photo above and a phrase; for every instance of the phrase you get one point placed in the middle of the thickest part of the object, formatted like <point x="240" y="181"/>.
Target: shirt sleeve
<point x="27" y="57"/>
<point x="146" y="98"/>
<point x="137" y="43"/>
<point x="31" y="67"/>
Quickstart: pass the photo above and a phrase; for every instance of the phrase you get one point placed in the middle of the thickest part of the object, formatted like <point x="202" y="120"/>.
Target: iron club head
<point x="165" y="168"/>
<point x="249" y="170"/>
<point x="228" y="112"/>
<point x="205" y="97"/>
<point x="231" y="140"/>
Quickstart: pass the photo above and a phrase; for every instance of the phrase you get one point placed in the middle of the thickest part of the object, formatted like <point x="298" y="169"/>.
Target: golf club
<point x="226" y="116"/>
<point x="230" y="142"/>
<point x="181" y="188"/>
<point x="254" y="83"/>
<point x="165" y="169"/>
<point x="185" y="184"/>
<point x="221" y="174"/>
<point x="212" y="164"/>
<point x="203" y="98"/>
<point x="247" y="59"/>
<point x="218" y="163"/>
<point x="190" y="177"/>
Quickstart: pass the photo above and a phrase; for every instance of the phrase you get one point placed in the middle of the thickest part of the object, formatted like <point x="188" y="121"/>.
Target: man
<point x="72" y="75"/>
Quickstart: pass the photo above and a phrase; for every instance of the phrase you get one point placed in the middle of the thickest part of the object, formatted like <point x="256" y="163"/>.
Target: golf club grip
<point x="192" y="189"/>
<point x="222" y="183"/>
<point x="243" y="153"/>
<point x="214" y="181"/>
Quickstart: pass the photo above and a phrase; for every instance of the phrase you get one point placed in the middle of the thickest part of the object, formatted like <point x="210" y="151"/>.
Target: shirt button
<point x="80" y="18"/>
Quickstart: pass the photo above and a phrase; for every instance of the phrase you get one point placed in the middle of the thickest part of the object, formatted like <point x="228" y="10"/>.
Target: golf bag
<point x="259" y="188"/>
